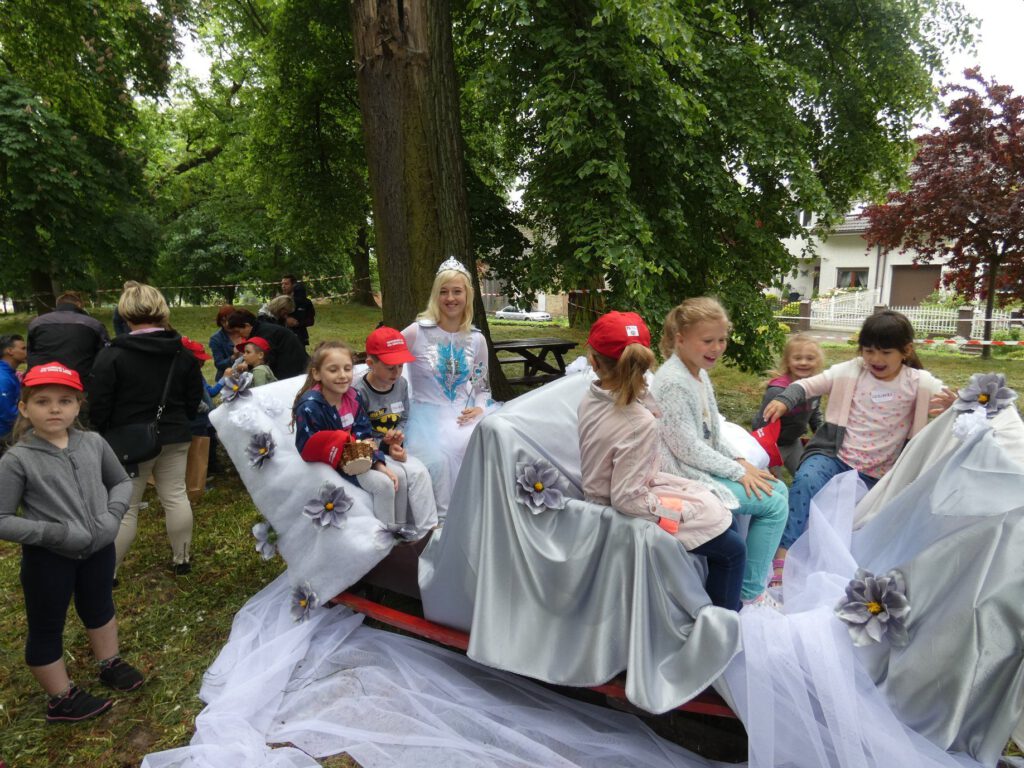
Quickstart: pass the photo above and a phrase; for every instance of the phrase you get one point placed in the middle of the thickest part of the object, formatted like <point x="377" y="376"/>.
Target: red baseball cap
<point x="768" y="438"/>
<point x="52" y="373"/>
<point x="388" y="346"/>
<point x="256" y="341"/>
<point x="613" y="332"/>
<point x="196" y="348"/>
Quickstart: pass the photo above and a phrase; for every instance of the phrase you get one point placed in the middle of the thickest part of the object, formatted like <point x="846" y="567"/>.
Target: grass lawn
<point x="173" y="627"/>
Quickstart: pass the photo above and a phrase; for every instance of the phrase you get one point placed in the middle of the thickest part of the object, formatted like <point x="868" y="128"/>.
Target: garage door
<point x="912" y="284"/>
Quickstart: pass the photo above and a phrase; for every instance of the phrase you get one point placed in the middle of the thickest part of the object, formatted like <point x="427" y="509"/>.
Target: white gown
<point x="448" y="376"/>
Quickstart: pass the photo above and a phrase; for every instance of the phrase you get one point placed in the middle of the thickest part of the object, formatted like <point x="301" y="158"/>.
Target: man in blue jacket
<point x="12" y="355"/>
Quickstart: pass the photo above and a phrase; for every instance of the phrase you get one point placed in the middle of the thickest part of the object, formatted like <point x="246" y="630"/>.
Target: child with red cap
<point x="73" y="492"/>
<point x="619" y="457"/>
<point x="255" y="359"/>
<point x="386" y="395"/>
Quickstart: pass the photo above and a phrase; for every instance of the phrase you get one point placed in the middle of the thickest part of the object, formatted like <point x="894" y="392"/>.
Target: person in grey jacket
<point x="72" y="493"/>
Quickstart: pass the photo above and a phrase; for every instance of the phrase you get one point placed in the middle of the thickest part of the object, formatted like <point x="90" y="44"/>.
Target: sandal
<point x="776" y="580"/>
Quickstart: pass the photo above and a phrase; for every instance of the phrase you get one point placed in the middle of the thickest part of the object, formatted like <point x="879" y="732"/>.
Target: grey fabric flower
<point x="875" y="607"/>
<point x="304" y="600"/>
<point x="988" y="390"/>
<point x="330" y="507"/>
<point x="387" y="536"/>
<point x="236" y="386"/>
<point x="537" y="486"/>
<point x="260" y="448"/>
<point x="266" y="539"/>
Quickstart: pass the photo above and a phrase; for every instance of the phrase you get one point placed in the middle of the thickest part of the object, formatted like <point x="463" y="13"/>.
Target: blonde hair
<point x="624" y="377"/>
<point x="433" y="310"/>
<point x="22" y="424"/>
<point x="316" y="360"/>
<point x="282" y="304"/>
<point x="142" y="304"/>
<point x="793" y="343"/>
<point x="687" y="315"/>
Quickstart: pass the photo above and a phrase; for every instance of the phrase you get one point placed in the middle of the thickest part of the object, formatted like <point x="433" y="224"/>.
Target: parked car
<point x="514" y="313"/>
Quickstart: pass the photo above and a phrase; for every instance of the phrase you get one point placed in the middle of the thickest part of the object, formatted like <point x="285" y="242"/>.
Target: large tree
<point x="965" y="201"/>
<point x="71" y="190"/>
<point x="667" y="147"/>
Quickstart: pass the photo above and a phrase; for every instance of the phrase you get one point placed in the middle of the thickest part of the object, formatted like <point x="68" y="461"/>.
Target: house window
<point x="852" y="278"/>
<point x="806" y="218"/>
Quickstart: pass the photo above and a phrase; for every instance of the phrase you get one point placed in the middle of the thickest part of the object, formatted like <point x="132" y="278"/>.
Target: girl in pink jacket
<point x="619" y="457"/>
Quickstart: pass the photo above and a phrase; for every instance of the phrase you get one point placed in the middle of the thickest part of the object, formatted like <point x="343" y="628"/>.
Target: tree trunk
<point x="412" y="133"/>
<point x="44" y="298"/>
<point x="362" y="286"/>
<point x="990" y="304"/>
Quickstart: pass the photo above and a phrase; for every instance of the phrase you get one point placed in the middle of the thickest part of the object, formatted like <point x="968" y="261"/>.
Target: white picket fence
<point x="843" y="312"/>
<point x="846" y="312"/>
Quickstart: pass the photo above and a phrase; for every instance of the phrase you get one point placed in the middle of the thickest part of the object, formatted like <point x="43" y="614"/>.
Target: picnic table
<point x="538" y="367"/>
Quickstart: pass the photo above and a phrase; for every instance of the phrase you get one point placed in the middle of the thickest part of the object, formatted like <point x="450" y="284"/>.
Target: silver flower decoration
<point x="537" y="486"/>
<point x="388" y="535"/>
<point x="875" y="607"/>
<point x="987" y="390"/>
<point x="969" y="422"/>
<point x="330" y="507"/>
<point x="304" y="600"/>
<point x="266" y="539"/>
<point x="236" y="386"/>
<point x="260" y="449"/>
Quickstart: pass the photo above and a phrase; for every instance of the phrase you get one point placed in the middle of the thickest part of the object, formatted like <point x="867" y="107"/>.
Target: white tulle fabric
<point x="330" y="685"/>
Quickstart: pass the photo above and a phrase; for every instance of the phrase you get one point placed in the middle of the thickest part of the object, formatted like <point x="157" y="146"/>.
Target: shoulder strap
<point x="167" y="385"/>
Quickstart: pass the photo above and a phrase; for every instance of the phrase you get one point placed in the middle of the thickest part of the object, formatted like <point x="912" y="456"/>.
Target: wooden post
<point x="964" y="321"/>
<point x="804" y="323"/>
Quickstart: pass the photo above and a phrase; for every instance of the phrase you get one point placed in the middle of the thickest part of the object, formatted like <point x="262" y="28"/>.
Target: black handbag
<point x="135" y="443"/>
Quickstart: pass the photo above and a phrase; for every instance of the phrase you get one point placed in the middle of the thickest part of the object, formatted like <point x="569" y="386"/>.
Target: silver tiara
<point x="453" y="264"/>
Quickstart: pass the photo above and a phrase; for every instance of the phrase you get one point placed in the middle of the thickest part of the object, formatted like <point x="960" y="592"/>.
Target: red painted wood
<point x="706" y="703"/>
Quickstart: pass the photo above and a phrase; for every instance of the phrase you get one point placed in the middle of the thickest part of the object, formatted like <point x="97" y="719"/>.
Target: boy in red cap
<point x="386" y="394"/>
<point x="255" y="359"/>
<point x="72" y="492"/>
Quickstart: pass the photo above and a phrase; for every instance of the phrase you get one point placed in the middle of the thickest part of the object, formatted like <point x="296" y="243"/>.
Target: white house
<point x="843" y="259"/>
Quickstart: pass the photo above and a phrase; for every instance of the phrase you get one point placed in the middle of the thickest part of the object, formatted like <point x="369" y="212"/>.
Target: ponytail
<point x="625" y="376"/>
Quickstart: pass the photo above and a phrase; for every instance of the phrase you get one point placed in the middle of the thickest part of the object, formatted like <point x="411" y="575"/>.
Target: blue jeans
<point x="814" y="473"/>
<point x="726" y="555"/>
<point x="767" y="519"/>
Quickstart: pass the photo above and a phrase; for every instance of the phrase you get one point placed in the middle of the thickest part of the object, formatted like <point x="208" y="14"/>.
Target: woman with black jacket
<point x="125" y="387"/>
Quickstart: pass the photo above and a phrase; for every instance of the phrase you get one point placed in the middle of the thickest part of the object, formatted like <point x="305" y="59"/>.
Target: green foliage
<point x="667" y="147"/>
<point x="792" y="309"/>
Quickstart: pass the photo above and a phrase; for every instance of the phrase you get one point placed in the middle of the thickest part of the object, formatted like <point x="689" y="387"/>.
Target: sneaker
<point x="76" y="705"/>
<point x="764" y="600"/>
<point x="121" y="676"/>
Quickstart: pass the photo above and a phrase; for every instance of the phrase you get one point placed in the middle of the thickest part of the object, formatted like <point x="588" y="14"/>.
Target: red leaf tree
<point x="966" y="196"/>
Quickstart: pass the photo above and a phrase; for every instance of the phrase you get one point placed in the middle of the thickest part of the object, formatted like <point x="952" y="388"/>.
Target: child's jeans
<point x="726" y="555"/>
<point x="767" y="519"/>
<point x="49" y="581"/>
<point x="814" y="473"/>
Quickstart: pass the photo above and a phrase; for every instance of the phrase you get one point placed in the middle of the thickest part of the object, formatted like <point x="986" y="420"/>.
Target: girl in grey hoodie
<point x="72" y="493"/>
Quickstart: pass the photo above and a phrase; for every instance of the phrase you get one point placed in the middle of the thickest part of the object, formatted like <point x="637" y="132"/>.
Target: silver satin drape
<point x="571" y="596"/>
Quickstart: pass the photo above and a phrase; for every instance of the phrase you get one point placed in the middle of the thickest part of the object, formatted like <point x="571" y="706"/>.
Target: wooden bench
<point x="542" y="358"/>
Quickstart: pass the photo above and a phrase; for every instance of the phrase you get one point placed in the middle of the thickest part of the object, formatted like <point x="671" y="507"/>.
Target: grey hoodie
<point x="72" y="500"/>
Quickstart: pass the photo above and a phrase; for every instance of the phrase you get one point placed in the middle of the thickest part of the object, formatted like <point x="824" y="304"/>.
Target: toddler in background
<point x="386" y="395"/>
<point x="620" y="463"/>
<point x="801" y="357"/>
<point x="255" y="359"/>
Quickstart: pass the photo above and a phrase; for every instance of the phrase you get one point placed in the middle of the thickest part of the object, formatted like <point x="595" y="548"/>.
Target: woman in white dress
<point x="449" y="383"/>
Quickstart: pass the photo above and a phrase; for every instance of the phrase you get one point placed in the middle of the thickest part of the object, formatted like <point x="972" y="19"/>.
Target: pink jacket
<point x="620" y="466"/>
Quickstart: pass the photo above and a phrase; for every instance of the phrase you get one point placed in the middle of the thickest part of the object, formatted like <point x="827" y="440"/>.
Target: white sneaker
<point x="764" y="600"/>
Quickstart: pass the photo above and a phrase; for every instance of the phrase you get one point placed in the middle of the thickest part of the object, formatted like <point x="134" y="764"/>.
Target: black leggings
<point x="49" y="580"/>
